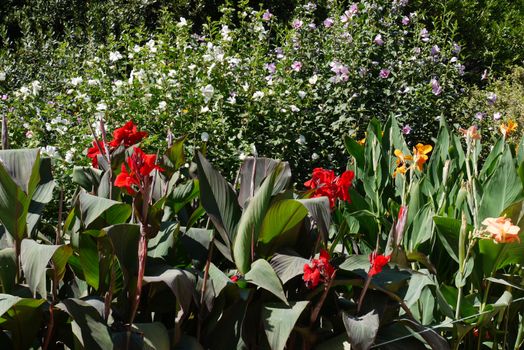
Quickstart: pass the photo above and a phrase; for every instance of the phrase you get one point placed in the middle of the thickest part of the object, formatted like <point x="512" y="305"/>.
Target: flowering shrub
<point x="246" y="84"/>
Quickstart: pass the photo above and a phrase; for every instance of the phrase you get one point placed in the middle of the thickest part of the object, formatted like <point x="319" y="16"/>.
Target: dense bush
<point x="246" y="84"/>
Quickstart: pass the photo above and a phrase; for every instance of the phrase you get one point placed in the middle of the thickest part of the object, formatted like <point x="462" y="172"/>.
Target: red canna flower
<point x="234" y="278"/>
<point x="326" y="184"/>
<point x="318" y="270"/>
<point x="127" y="135"/>
<point x="94" y="151"/>
<point x="136" y="171"/>
<point x="377" y="263"/>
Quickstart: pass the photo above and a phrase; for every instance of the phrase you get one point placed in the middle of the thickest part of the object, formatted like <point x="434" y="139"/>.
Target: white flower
<point x="118" y="83"/>
<point x="204" y="136"/>
<point x="24" y="90"/>
<point x="232" y="100"/>
<point x="301" y="140"/>
<point x="182" y="22"/>
<point x="2" y="76"/>
<point x="496" y="116"/>
<point x="136" y="49"/>
<point x="171" y="73"/>
<point x="151" y="46"/>
<point x="48" y="127"/>
<point x="76" y="81"/>
<point x="314" y="156"/>
<point x="242" y="156"/>
<point x="192" y="66"/>
<point x="29" y="134"/>
<point x="224" y="32"/>
<point x="69" y="156"/>
<point x="313" y="80"/>
<point x="49" y="151"/>
<point x="101" y="106"/>
<point x="162" y="105"/>
<point x="258" y="95"/>
<point x="35" y="85"/>
<point x="115" y="56"/>
<point x="93" y="82"/>
<point x="207" y="91"/>
<point x="204" y="109"/>
<point x="301" y="94"/>
<point x="294" y="108"/>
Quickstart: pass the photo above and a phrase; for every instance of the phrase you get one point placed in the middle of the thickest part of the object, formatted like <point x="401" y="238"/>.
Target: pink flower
<point x="435" y="87"/>
<point x="405" y="20"/>
<point x="378" y="40"/>
<point x="406" y="130"/>
<point x="267" y="15"/>
<point x="296" y="66"/>
<point x="297" y="24"/>
<point x="384" y="73"/>
<point x="328" y="22"/>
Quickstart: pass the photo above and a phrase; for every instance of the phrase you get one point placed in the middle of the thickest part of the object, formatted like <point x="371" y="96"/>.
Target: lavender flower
<point x="480" y="115"/>
<point x="461" y="69"/>
<point x="456" y="48"/>
<point x="435" y="87"/>
<point x="492" y="98"/>
<point x="340" y="70"/>
<point x="312" y="26"/>
<point x="435" y="50"/>
<point x="270" y="67"/>
<point x="279" y="52"/>
<point x="267" y="15"/>
<point x="378" y="40"/>
<point x="296" y="66"/>
<point x="348" y="14"/>
<point x="384" y="73"/>
<point x="328" y="22"/>
<point x="297" y="24"/>
<point x="424" y="35"/>
<point x="405" y="20"/>
<point x="406" y="130"/>
<point x="4" y="97"/>
<point x="496" y="116"/>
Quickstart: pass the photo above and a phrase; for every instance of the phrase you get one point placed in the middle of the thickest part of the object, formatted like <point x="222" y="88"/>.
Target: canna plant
<point x="409" y="246"/>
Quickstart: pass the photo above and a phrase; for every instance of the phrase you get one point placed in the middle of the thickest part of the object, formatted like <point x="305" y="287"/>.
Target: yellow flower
<point x="362" y="142"/>
<point x="501" y="230"/>
<point x="401" y="162"/>
<point x="420" y="155"/>
<point x="509" y="128"/>
<point x="185" y="110"/>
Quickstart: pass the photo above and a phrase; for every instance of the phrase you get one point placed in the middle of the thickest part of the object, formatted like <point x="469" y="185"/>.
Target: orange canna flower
<point x="501" y="230"/>
<point x="420" y="155"/>
<point x="509" y="128"/>
<point x="471" y="132"/>
<point x="362" y="141"/>
<point x="401" y="162"/>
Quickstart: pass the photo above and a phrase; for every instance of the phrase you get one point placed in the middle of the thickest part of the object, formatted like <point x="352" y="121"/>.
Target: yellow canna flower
<point x="401" y="162"/>
<point x="420" y="155"/>
<point x="509" y="128"/>
<point x="362" y="142"/>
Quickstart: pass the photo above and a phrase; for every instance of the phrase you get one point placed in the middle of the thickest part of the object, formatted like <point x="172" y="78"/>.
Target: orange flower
<point x="420" y="155"/>
<point x="401" y="162"/>
<point x="471" y="132"/>
<point x="501" y="230"/>
<point x="509" y="128"/>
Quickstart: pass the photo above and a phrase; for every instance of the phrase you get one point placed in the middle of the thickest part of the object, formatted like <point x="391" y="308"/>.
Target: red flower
<point x="319" y="270"/>
<point x="94" y="151"/>
<point x="234" y="278"/>
<point x="128" y="135"/>
<point x="326" y="184"/>
<point x="136" y="173"/>
<point x="377" y="263"/>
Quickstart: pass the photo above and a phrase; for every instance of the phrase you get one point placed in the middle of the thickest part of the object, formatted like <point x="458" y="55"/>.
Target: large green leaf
<point x="361" y="330"/>
<point x="279" y="320"/>
<point x="87" y="177"/>
<point x="253" y="172"/>
<point x="219" y="200"/>
<point x="355" y="150"/>
<point x="174" y="156"/>
<point x="448" y="231"/>
<point x="19" y="177"/>
<point x="288" y="266"/>
<point x="7" y="269"/>
<point x="88" y="326"/>
<point x="320" y="211"/>
<point x="43" y="194"/>
<point x="281" y="221"/>
<point x="22" y="319"/>
<point x="89" y="262"/>
<point x="502" y="189"/>
<point x="250" y="222"/>
<point x="93" y="208"/>
<point x="124" y="238"/>
<point x="35" y="258"/>
<point x="263" y="275"/>
<point x="155" y="335"/>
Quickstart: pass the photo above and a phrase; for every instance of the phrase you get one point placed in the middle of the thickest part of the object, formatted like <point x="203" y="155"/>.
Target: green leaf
<point x="355" y="150"/>
<point x="448" y="230"/>
<point x="22" y="320"/>
<point x="218" y="199"/>
<point x="7" y="269"/>
<point x="502" y="189"/>
<point x="418" y="281"/>
<point x="88" y="257"/>
<point x="250" y="222"/>
<point x="124" y="238"/>
<point x="155" y="335"/>
<point x="281" y="221"/>
<point x="320" y="211"/>
<point x="43" y="194"/>
<point x="288" y="266"/>
<point x="422" y="227"/>
<point x="174" y="156"/>
<point x="263" y="275"/>
<point x="361" y="330"/>
<point x="432" y="338"/>
<point x="253" y="172"/>
<point x="93" y="208"/>
<point x="88" y="326"/>
<point x="35" y="258"/>
<point x="87" y="177"/>
<point x="279" y="320"/>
